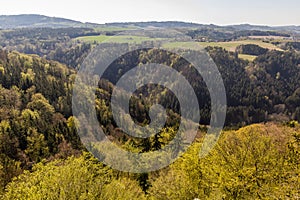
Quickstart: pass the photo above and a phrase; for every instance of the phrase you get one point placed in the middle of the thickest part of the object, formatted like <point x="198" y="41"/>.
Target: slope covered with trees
<point x="35" y="114"/>
<point x="258" y="161"/>
<point x="39" y="145"/>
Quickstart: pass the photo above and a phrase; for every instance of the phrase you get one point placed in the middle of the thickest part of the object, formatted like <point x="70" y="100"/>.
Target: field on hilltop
<point x="232" y="45"/>
<point x="116" y="39"/>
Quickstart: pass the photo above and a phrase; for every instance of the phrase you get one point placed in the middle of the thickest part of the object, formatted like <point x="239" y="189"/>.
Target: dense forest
<point x="42" y="157"/>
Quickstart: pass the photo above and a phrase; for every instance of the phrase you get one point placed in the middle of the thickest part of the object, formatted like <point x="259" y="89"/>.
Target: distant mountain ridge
<point x="36" y="21"/>
<point x="39" y="21"/>
<point x="264" y="27"/>
<point x="163" y="24"/>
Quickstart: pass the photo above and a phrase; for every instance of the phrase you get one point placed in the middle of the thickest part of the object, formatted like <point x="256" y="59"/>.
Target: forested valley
<point x="42" y="156"/>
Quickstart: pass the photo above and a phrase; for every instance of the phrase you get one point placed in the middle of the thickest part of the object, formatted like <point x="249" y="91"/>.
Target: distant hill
<point x="162" y="24"/>
<point x="41" y="21"/>
<point x="179" y="24"/>
<point x="250" y="27"/>
<point x="37" y="21"/>
<point x="264" y="28"/>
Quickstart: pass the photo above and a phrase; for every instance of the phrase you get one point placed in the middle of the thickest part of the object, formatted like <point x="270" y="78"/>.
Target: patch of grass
<point x="98" y="39"/>
<point x="247" y="57"/>
<point x="231" y="46"/>
<point x="131" y="39"/>
<point x="117" y="39"/>
<point x="187" y="45"/>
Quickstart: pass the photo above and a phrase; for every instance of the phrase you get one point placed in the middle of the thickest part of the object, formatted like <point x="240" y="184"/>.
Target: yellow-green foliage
<point x="28" y="76"/>
<point x="260" y="161"/>
<point x="2" y="70"/>
<point x="74" y="178"/>
<point x="250" y="163"/>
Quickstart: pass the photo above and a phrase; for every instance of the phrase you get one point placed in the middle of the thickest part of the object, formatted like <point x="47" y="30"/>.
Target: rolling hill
<point x="37" y="21"/>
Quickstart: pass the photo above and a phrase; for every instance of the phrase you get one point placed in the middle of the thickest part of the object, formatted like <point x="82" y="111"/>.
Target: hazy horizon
<point x="231" y="12"/>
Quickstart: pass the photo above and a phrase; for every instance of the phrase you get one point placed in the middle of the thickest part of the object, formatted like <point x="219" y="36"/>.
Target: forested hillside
<point x="37" y="127"/>
<point x="266" y="89"/>
<point x="258" y="161"/>
<point x="42" y="156"/>
<point x="35" y="114"/>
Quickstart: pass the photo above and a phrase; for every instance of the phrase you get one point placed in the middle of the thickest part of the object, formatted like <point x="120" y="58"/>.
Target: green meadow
<point x="117" y="39"/>
<point x="229" y="46"/>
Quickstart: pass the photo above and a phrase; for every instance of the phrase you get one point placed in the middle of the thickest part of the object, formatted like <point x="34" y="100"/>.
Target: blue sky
<point x="264" y="12"/>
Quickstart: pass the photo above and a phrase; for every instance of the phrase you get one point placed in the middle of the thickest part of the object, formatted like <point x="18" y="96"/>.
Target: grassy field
<point x="188" y="45"/>
<point x="231" y="46"/>
<point x="191" y="45"/>
<point x="98" y="39"/>
<point x="247" y="57"/>
<point x="116" y="39"/>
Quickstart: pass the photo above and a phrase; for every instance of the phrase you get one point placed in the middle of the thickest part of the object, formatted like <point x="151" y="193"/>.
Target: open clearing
<point x="247" y="57"/>
<point x="116" y="39"/>
<point x="231" y="46"/>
